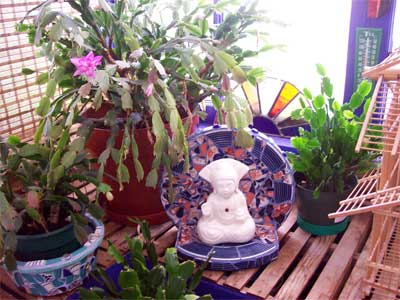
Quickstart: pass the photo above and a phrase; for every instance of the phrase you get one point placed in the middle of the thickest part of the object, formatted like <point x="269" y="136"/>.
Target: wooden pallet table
<point x="308" y="267"/>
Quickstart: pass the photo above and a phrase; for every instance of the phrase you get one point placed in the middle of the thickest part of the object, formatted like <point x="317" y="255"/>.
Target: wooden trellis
<point x="379" y="191"/>
<point x="384" y="261"/>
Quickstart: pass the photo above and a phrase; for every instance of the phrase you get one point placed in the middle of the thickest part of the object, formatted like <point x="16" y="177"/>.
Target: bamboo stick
<point x="368" y="115"/>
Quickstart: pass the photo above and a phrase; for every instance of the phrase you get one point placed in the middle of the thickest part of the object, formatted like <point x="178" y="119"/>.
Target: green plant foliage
<point x="174" y="280"/>
<point x="326" y="153"/>
<point x="152" y="72"/>
<point x="36" y="177"/>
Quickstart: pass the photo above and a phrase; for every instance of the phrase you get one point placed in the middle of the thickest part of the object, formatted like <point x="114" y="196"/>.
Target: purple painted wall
<point x="218" y="18"/>
<point x="359" y="18"/>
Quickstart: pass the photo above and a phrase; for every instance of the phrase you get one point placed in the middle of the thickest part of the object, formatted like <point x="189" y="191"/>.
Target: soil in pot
<point x="34" y="243"/>
<point x="46" y="245"/>
<point x="313" y="213"/>
<point x="135" y="200"/>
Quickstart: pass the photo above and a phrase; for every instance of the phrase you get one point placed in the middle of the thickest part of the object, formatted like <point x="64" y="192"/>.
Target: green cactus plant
<point x="137" y="280"/>
<point x="38" y="188"/>
<point x="326" y="153"/>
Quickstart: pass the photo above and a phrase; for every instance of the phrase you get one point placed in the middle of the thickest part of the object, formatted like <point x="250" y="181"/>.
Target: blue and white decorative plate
<point x="269" y="188"/>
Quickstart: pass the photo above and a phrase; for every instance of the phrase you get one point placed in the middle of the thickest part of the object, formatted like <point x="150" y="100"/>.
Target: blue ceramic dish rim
<point x="30" y="267"/>
<point x="254" y="132"/>
<point x="227" y="260"/>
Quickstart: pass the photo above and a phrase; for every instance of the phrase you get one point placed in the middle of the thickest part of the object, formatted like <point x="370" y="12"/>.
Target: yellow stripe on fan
<point x="250" y="93"/>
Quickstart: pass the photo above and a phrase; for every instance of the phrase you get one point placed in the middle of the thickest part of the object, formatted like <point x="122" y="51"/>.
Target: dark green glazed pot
<point x="46" y="245"/>
<point x="313" y="213"/>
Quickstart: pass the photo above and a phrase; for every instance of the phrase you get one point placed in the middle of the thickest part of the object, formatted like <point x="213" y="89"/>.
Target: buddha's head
<point x="225" y="187"/>
<point x="224" y="175"/>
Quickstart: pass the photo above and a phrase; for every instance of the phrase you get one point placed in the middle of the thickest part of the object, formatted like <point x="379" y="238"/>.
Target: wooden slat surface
<point x="7" y="284"/>
<point x="213" y="275"/>
<point x="301" y="276"/>
<point x="166" y="240"/>
<point x="334" y="273"/>
<point x="353" y="287"/>
<point x="109" y="228"/>
<point x="5" y="295"/>
<point x="308" y="267"/>
<point x="118" y="239"/>
<point x="240" y="278"/>
<point x="274" y="271"/>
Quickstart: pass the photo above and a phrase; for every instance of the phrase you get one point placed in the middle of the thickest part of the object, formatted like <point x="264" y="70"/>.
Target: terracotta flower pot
<point x="135" y="200"/>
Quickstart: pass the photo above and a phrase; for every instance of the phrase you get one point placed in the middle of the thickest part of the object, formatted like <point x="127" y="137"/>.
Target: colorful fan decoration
<point x="272" y="102"/>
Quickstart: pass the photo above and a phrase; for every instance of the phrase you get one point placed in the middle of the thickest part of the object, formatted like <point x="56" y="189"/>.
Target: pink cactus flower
<point x="86" y="65"/>
<point x="149" y="90"/>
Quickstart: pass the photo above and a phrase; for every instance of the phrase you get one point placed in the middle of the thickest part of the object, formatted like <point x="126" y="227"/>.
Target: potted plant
<point x="143" y="277"/>
<point x="134" y="72"/>
<point x="49" y="228"/>
<point x="326" y="164"/>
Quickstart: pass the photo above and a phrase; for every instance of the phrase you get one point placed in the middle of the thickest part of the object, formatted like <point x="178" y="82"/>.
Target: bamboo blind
<point x="19" y="95"/>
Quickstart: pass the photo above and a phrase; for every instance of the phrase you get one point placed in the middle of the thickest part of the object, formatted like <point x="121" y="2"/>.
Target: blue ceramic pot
<point x="62" y="274"/>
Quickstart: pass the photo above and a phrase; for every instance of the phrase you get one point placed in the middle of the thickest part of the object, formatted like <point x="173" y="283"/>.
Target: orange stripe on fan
<point x="287" y="93"/>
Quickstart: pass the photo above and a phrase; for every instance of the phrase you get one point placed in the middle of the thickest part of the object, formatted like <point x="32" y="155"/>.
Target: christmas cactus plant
<point x="150" y="63"/>
<point x="326" y="153"/>
<point x="145" y="278"/>
<point x="39" y="189"/>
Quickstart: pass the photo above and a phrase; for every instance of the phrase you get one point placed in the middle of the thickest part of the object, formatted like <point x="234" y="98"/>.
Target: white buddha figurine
<point x="225" y="216"/>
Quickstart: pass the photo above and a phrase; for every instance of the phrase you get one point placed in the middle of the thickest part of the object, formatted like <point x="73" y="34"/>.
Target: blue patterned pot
<point x="62" y="274"/>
